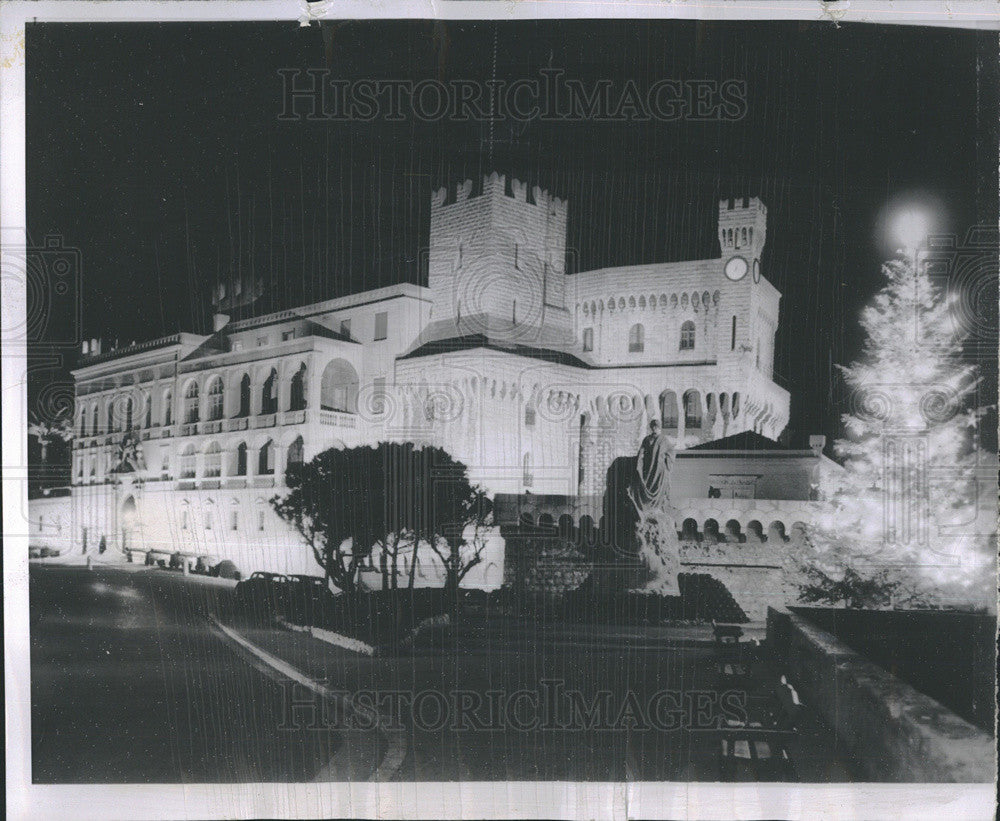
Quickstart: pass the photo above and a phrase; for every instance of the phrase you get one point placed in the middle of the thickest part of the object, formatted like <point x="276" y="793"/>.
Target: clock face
<point x="756" y="270"/>
<point x="736" y="268"/>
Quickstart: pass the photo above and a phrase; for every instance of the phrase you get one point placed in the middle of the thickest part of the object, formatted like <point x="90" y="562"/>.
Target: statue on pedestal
<point x="649" y="492"/>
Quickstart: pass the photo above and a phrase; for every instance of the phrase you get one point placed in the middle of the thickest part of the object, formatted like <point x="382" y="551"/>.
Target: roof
<point x="493" y="333"/>
<point x="748" y="440"/>
<point x="472" y="341"/>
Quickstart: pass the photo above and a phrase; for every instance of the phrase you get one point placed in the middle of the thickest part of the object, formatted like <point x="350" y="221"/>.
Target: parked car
<point x="309" y="599"/>
<point x="264" y="594"/>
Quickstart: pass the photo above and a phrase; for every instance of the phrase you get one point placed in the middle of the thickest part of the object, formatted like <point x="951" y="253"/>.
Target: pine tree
<point x="904" y="504"/>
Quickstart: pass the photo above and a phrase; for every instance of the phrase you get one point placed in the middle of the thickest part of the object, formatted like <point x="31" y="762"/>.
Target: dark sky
<point x="156" y="150"/>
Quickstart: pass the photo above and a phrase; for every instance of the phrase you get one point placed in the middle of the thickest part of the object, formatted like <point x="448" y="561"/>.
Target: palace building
<point x="536" y="379"/>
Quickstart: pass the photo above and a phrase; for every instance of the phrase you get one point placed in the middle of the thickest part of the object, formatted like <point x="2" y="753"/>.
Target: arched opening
<point x="689" y="530"/>
<point x="269" y="394"/>
<point x="94" y="423"/>
<point x="129" y="521"/>
<point x="188" y="464"/>
<point x="191" y="403"/>
<point x="687" y="336"/>
<point x="296" y="454"/>
<point x="755" y="531"/>
<point x="733" y="531"/>
<point x="736" y="404"/>
<point x="297" y="397"/>
<point x="668" y="410"/>
<point x="527" y="478"/>
<point x="338" y="389"/>
<point x="148" y="415"/>
<point x="167" y="416"/>
<point x="215" y="397"/>
<point x="692" y="409"/>
<point x="265" y="459"/>
<point x="213" y="460"/>
<point x="241" y="459"/>
<point x="83" y="422"/>
<point x="776" y="532"/>
<point x="244" y="409"/>
<point x="711" y="530"/>
<point x="636" y="338"/>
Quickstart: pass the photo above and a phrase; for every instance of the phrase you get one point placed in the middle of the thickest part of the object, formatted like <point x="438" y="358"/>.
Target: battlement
<point x="495" y="186"/>
<point x="741" y="207"/>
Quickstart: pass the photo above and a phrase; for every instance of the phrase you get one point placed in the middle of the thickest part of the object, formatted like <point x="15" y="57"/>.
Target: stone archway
<point x="128" y="520"/>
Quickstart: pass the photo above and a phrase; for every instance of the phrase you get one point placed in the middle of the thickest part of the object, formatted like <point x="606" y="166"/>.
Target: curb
<point x="395" y="739"/>
<point x="330" y="637"/>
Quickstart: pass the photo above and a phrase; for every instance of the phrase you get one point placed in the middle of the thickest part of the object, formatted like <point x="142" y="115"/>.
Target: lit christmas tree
<point x="905" y="520"/>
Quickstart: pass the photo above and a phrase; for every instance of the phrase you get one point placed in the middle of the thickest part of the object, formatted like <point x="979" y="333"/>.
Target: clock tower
<point x="742" y="231"/>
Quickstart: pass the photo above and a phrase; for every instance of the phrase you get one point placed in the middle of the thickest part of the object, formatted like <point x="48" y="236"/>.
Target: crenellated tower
<point x="742" y="231"/>
<point x="498" y="259"/>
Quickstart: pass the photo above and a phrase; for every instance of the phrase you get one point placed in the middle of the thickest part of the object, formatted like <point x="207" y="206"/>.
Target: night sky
<point x="156" y="150"/>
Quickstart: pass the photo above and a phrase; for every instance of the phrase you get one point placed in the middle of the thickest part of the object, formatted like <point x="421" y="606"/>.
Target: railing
<point x="293" y="417"/>
<point x="212" y="426"/>
<point x="337" y="419"/>
<point x="189" y="429"/>
<point x="235" y="481"/>
<point x="263" y="481"/>
<point x="241" y="423"/>
<point x="266" y="420"/>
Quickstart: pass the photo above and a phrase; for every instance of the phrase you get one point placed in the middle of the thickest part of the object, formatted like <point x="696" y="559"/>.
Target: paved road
<point x="129" y="683"/>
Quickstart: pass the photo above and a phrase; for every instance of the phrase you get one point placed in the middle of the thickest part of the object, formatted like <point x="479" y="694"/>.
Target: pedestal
<point x="659" y="550"/>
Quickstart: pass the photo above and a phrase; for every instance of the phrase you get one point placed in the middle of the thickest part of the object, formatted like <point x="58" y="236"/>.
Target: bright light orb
<point x="912" y="228"/>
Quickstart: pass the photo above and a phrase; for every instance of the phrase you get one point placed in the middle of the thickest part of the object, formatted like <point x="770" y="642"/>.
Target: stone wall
<point x="895" y="732"/>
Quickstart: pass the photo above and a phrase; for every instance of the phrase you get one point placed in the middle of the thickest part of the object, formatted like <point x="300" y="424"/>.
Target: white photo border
<point x="404" y="800"/>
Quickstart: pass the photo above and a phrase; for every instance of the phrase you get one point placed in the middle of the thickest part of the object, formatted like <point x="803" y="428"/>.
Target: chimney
<point x="219" y="321"/>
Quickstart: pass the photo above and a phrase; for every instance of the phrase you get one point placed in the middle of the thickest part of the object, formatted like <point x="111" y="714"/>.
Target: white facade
<point x="535" y="379"/>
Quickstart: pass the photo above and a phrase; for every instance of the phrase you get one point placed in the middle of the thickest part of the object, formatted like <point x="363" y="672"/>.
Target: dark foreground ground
<point x="132" y="682"/>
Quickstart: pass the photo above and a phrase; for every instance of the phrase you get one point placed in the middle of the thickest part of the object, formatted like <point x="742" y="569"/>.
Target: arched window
<point x="213" y="460"/>
<point x="636" y="339"/>
<point x="188" y="462"/>
<point x="297" y="400"/>
<point x="168" y="407"/>
<point x="83" y="422"/>
<point x="241" y="459"/>
<point x="339" y="387"/>
<point x="148" y="420"/>
<point x="191" y="403"/>
<point x="244" y="396"/>
<point x="732" y="339"/>
<point x="128" y="413"/>
<point x="668" y="410"/>
<point x="215" y="397"/>
<point x="526" y="468"/>
<point x="296" y="453"/>
<point x="692" y="410"/>
<point x="265" y="459"/>
<point x="94" y="422"/>
<point x="687" y="336"/>
<point x="269" y="394"/>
